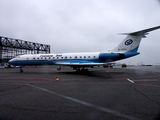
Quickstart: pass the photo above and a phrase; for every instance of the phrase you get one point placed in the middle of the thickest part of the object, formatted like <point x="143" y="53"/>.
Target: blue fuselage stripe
<point x="52" y="62"/>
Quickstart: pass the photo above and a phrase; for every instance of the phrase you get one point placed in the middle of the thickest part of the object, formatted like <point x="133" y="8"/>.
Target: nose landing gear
<point x="20" y="70"/>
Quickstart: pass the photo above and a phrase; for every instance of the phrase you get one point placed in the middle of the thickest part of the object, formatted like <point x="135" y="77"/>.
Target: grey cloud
<point x="81" y="26"/>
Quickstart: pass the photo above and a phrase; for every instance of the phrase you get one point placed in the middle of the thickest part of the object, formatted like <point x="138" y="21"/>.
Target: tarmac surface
<point x="100" y="94"/>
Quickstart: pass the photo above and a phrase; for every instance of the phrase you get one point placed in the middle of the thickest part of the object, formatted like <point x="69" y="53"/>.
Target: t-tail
<point x="132" y="41"/>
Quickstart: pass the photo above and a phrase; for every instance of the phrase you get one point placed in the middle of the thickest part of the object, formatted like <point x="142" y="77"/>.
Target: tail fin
<point x="132" y="41"/>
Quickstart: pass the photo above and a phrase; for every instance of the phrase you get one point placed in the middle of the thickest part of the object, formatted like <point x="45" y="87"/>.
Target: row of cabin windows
<point x="62" y="57"/>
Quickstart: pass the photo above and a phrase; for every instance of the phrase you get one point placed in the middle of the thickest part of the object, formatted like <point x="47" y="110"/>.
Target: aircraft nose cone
<point x="10" y="61"/>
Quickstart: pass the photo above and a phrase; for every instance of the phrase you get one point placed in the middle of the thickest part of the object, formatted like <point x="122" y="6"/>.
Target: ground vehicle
<point x="107" y="65"/>
<point x="124" y="65"/>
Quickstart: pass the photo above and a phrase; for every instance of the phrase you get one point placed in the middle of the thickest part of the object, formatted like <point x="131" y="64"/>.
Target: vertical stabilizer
<point x="132" y="41"/>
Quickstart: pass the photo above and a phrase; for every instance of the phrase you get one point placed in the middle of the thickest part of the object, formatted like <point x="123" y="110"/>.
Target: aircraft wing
<point x="78" y="63"/>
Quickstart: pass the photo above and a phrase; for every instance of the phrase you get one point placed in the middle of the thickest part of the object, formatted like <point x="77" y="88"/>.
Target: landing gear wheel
<point x="20" y="70"/>
<point x="84" y="70"/>
<point x="78" y="71"/>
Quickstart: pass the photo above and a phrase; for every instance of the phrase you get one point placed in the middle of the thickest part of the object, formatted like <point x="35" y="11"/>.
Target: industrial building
<point x="10" y="47"/>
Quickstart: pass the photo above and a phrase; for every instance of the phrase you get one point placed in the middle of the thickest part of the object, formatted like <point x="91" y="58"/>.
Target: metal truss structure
<point x="9" y="48"/>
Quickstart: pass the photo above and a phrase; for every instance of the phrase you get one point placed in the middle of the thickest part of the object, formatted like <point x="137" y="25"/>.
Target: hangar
<point x="10" y="47"/>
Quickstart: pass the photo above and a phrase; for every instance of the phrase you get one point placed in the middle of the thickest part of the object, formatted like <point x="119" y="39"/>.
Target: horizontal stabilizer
<point x="142" y="32"/>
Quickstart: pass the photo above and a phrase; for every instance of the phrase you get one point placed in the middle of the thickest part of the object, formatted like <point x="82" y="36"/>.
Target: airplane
<point x="81" y="61"/>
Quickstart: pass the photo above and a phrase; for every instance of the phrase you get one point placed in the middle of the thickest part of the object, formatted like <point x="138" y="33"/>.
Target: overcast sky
<point x="83" y="25"/>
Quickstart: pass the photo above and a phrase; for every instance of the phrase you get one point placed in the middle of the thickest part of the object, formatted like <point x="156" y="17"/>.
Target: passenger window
<point x="70" y="57"/>
<point x="80" y="57"/>
<point x="49" y="58"/>
<point x="62" y="57"/>
<point x="37" y="58"/>
<point x="88" y="56"/>
<point x="57" y="57"/>
<point x="53" y="57"/>
<point x="65" y="57"/>
<point x="75" y="56"/>
<point x="94" y="56"/>
<point x="84" y="56"/>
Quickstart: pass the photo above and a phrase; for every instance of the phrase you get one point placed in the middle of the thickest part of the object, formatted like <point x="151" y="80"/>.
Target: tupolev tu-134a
<point x="81" y="61"/>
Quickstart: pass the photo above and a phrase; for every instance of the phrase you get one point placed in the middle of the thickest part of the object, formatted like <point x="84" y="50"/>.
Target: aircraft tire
<point x="21" y="71"/>
<point x="78" y="71"/>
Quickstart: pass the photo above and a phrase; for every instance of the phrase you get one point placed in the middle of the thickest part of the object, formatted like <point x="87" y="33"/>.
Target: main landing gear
<point x="83" y="70"/>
